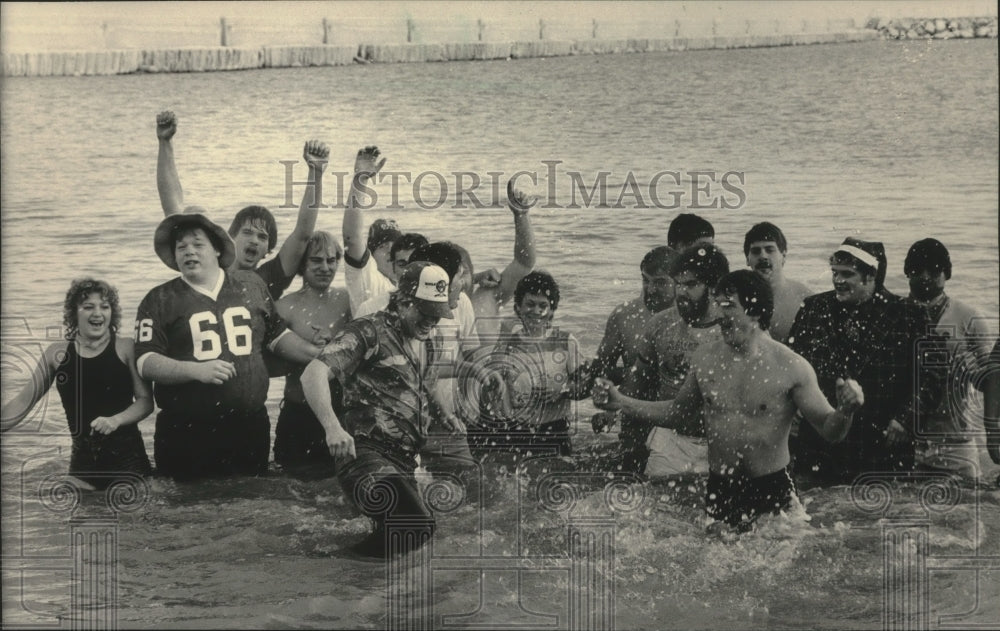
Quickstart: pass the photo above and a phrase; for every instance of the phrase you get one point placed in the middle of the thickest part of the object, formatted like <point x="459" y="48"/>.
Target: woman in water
<point x="527" y="410"/>
<point x="101" y="391"/>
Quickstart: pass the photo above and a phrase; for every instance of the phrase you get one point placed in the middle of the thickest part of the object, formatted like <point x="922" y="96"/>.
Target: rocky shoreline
<point x="940" y="28"/>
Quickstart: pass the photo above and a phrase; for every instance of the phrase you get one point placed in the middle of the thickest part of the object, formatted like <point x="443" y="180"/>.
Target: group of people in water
<point x="745" y="374"/>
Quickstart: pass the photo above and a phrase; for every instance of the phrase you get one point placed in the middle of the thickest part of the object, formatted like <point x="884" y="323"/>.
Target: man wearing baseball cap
<point x="200" y="338"/>
<point x="860" y="331"/>
<point x="387" y="363"/>
<point x="944" y="432"/>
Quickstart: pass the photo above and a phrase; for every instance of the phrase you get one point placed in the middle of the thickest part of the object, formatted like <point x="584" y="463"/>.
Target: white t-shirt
<point x="365" y="281"/>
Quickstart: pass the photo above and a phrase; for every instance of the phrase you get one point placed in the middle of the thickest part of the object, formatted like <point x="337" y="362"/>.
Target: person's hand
<point x="367" y="163"/>
<point x="455" y="424"/>
<point x="896" y="434"/>
<point x="340" y="443"/>
<point x="605" y="395"/>
<point x="166" y="125"/>
<point x="603" y="421"/>
<point x="519" y="202"/>
<point x="488" y="279"/>
<point x="850" y="397"/>
<point x="105" y="424"/>
<point x="215" y="371"/>
<point x="316" y="154"/>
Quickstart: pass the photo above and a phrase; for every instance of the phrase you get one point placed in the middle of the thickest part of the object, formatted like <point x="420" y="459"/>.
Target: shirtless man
<point x="491" y="293"/>
<point x="253" y="230"/>
<point x="625" y="324"/>
<point x="765" y="247"/>
<point x="316" y="312"/>
<point x="748" y="388"/>
<point x="662" y="362"/>
<point x="623" y="331"/>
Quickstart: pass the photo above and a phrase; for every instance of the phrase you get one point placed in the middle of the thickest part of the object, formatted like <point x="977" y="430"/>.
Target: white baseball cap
<point x="428" y="285"/>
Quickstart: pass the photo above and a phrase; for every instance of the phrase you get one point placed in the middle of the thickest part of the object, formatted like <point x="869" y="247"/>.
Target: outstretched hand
<point x="316" y="155"/>
<point x="850" y="397"/>
<point x="605" y="395"/>
<point x="166" y="125"/>
<point x="367" y="164"/>
<point x="519" y="201"/>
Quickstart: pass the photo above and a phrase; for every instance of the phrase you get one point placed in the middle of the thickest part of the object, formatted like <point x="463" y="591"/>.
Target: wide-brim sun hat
<point x="163" y="240"/>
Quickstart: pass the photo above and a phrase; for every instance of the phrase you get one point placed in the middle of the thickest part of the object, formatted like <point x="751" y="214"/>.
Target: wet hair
<point x="755" y="294"/>
<point x="658" y="260"/>
<point x="78" y="291"/>
<point x="466" y="258"/>
<point x="441" y="253"/>
<point x="409" y="241"/>
<point x="538" y="282"/>
<point x="704" y="260"/>
<point x="320" y="241"/>
<point x="686" y="228"/>
<point x="765" y="231"/>
<point x="928" y="254"/>
<point x="259" y="217"/>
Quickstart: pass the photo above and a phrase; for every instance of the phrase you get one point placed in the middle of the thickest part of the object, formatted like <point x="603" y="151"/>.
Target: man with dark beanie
<point x="945" y="433"/>
<point x="861" y="331"/>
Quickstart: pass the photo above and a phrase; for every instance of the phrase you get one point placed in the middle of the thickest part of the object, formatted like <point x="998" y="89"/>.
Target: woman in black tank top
<point x="101" y="392"/>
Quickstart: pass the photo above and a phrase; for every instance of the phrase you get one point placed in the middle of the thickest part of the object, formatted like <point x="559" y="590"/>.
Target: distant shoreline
<point x="226" y="58"/>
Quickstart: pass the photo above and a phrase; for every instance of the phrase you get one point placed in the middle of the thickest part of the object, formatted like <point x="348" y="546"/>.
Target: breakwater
<point x="940" y="28"/>
<point x="216" y="58"/>
<point x="244" y="57"/>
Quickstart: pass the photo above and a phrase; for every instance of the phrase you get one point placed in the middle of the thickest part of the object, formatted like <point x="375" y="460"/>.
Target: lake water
<point x="890" y="141"/>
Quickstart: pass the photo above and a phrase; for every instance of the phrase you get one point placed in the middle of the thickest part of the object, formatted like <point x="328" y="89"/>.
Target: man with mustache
<point x="662" y="357"/>
<point x="765" y="247"/>
<point x="861" y="331"/>
<point x="946" y="441"/>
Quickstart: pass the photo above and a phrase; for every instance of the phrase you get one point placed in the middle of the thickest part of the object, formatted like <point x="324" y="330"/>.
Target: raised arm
<point x="366" y="166"/>
<point x="168" y="183"/>
<point x="832" y="424"/>
<point x="42" y="376"/>
<point x="294" y="248"/>
<point x="524" y="244"/>
<point x="142" y="395"/>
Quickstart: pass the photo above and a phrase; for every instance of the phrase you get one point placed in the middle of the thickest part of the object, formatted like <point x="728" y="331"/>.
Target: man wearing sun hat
<point x="861" y="331"/>
<point x="388" y="363"/>
<point x="200" y="338"/>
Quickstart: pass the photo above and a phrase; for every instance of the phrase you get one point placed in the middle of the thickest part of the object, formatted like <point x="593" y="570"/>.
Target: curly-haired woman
<point x="101" y="391"/>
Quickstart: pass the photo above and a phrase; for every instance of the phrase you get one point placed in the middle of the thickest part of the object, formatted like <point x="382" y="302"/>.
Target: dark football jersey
<point x="181" y="323"/>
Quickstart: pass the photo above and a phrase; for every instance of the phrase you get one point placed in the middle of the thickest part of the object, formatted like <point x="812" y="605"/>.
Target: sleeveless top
<point x="93" y="386"/>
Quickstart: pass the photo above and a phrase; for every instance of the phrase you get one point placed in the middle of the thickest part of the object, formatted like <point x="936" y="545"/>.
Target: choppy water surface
<point x="890" y="141"/>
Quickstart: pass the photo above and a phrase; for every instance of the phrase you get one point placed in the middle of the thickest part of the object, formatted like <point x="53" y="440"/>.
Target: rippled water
<point x="884" y="140"/>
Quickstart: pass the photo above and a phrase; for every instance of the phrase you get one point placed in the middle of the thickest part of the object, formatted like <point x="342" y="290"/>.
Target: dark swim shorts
<point x="739" y="500"/>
